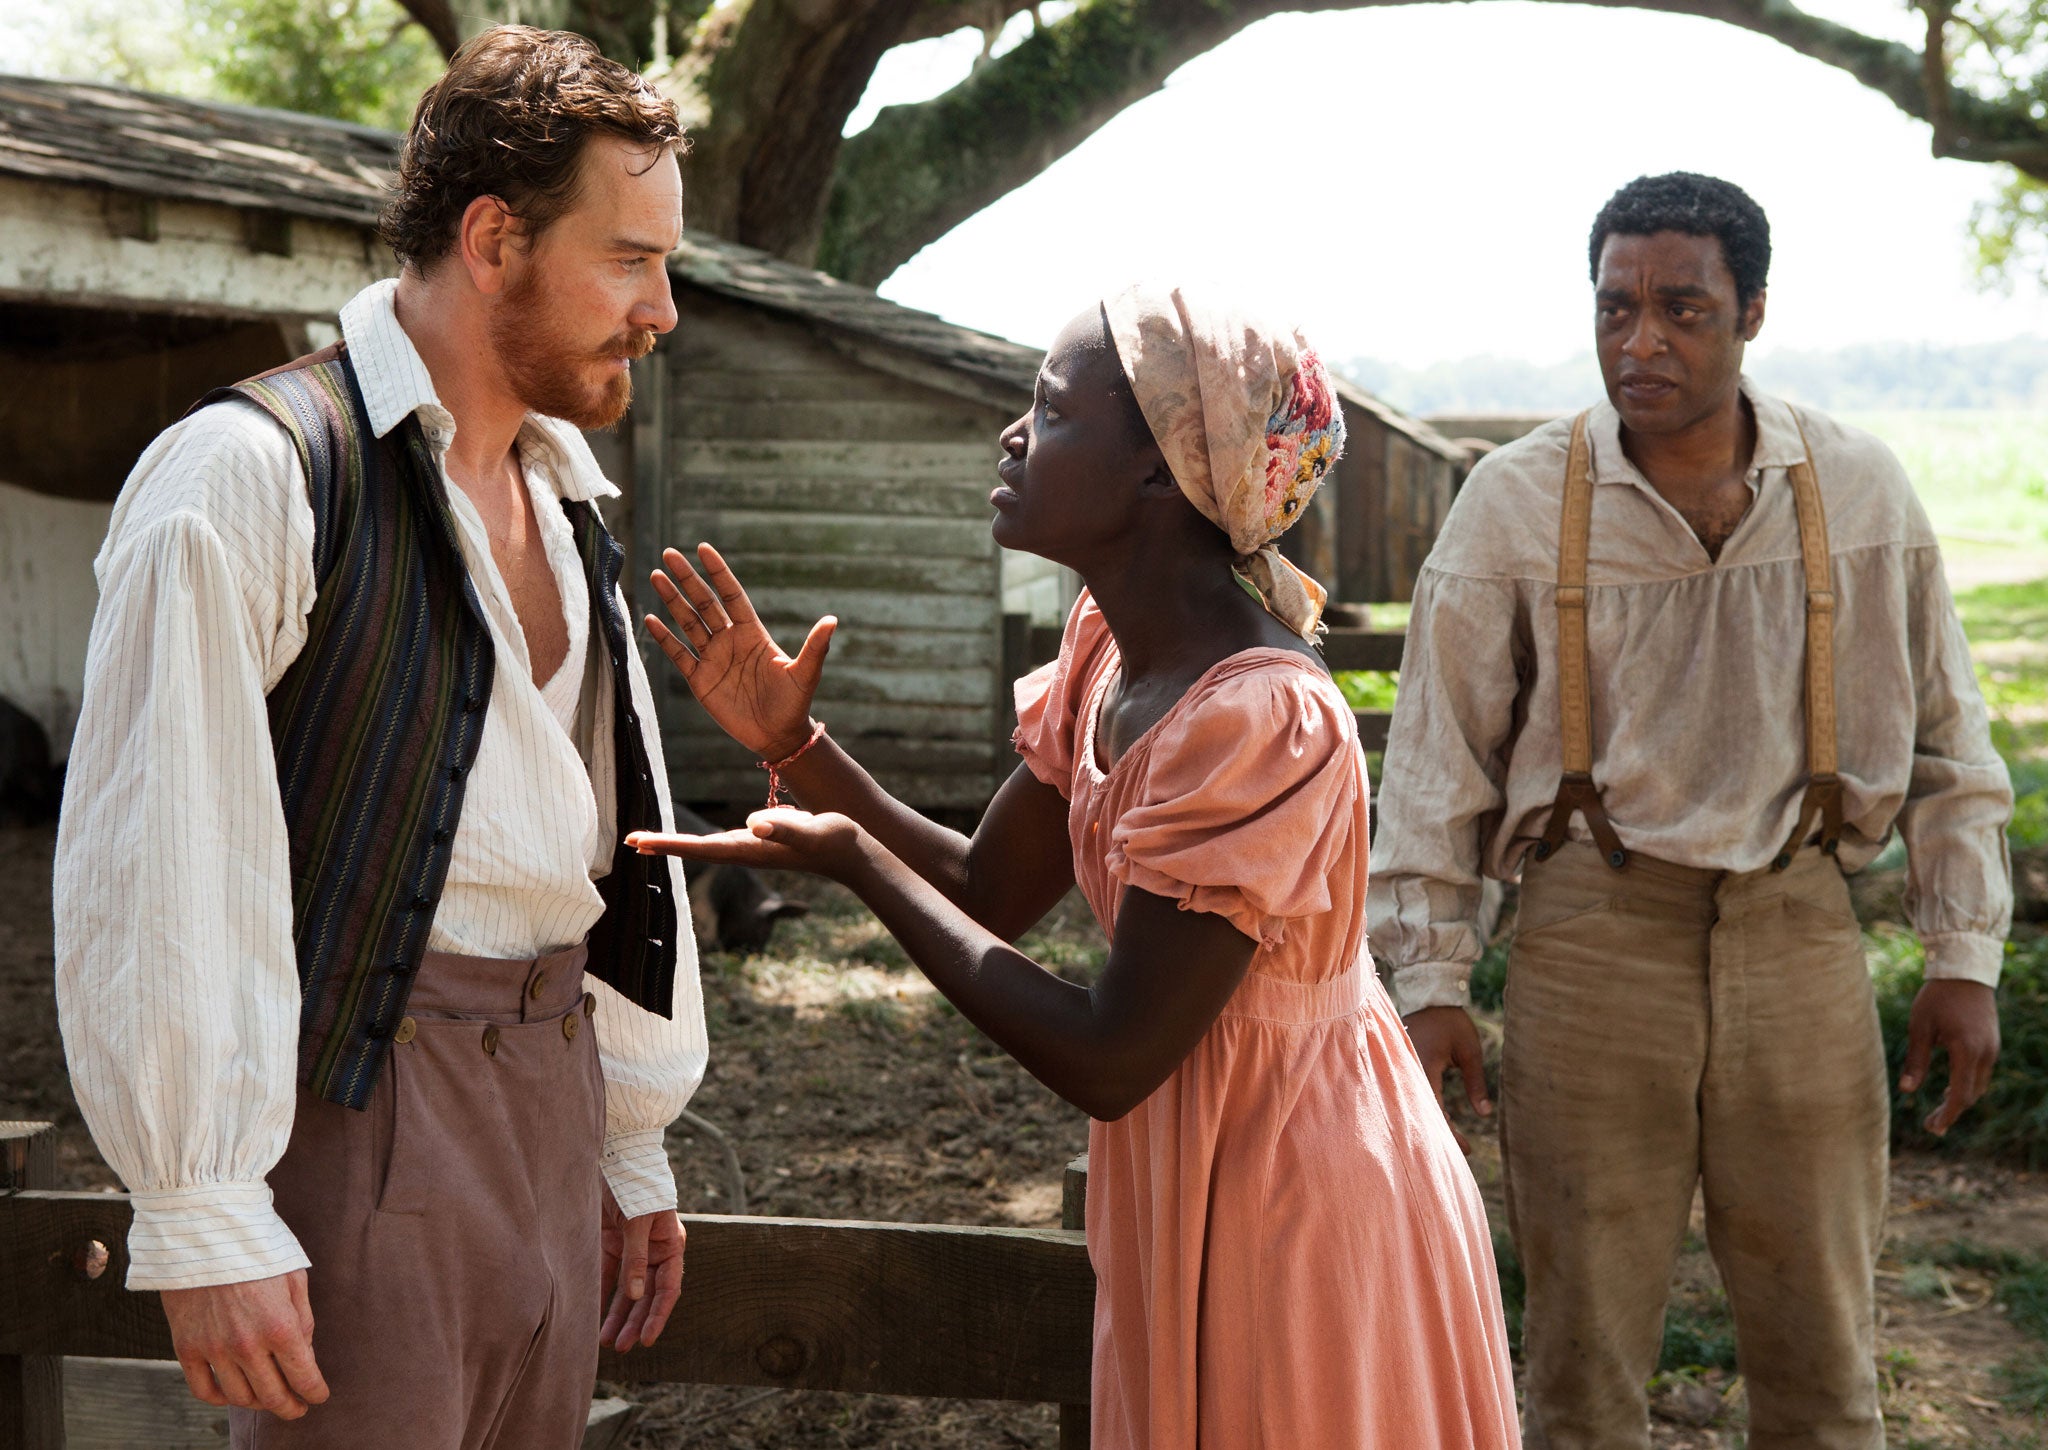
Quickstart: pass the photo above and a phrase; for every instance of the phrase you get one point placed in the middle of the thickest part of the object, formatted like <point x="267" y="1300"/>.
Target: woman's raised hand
<point x="757" y="694"/>
<point x="781" y="838"/>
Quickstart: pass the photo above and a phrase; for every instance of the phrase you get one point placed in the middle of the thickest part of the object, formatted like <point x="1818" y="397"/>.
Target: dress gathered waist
<point x="1266" y="998"/>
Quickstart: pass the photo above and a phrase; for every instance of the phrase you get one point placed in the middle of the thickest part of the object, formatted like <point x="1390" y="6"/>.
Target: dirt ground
<point x="851" y="1091"/>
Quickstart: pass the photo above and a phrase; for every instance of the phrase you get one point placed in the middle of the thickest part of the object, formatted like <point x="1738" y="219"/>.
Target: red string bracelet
<point x="776" y="767"/>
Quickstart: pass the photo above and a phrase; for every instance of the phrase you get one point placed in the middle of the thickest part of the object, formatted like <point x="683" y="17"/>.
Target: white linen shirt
<point x="177" y="983"/>
<point x="1696" y="668"/>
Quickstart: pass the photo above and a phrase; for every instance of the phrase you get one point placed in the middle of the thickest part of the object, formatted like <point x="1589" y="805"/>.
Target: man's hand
<point x="1961" y="1018"/>
<point x="1444" y="1037"/>
<point x="643" y="1275"/>
<point x="249" y="1344"/>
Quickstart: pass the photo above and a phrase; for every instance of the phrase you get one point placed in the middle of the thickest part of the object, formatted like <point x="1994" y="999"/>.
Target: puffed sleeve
<point x="1250" y="798"/>
<point x="1050" y="698"/>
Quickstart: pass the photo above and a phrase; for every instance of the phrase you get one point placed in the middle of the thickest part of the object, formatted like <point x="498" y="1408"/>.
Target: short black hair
<point x="1698" y="206"/>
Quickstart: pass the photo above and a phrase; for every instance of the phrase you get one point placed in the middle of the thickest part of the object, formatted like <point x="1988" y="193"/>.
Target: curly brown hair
<point x="509" y="119"/>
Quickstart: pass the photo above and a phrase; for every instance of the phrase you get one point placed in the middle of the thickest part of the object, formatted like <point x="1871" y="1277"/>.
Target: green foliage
<point x="2010" y="229"/>
<point x="1490" y="977"/>
<point x="1514" y="1287"/>
<point x="2011" y="1120"/>
<point x="353" y="60"/>
<point x="1367" y="689"/>
<point x="1699" y="1333"/>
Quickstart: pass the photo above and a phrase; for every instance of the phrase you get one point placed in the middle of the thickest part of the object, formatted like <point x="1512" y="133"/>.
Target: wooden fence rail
<point x="876" y="1308"/>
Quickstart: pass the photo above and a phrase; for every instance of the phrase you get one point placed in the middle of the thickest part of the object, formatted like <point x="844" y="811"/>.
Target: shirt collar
<point x="396" y="384"/>
<point x="1779" y="443"/>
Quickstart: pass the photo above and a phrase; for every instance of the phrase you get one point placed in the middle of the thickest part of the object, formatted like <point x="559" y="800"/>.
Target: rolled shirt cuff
<point x="1432" y="984"/>
<point x="1967" y="956"/>
<point x="216" y="1233"/>
<point x="637" y="1170"/>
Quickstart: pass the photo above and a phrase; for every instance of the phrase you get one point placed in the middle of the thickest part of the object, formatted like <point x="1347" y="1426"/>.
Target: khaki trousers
<point x="1668" y="1027"/>
<point x="453" y="1225"/>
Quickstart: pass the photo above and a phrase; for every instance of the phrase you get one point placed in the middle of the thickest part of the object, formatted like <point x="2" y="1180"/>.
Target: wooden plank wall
<point x="834" y="487"/>
<point x="1392" y="495"/>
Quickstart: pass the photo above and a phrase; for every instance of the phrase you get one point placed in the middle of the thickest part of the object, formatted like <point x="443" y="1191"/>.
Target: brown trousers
<point x="1667" y="1028"/>
<point x="453" y="1225"/>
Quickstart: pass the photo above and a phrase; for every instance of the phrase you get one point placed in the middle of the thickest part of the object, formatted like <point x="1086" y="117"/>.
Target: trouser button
<point x="589" y="1004"/>
<point x="491" y="1039"/>
<point x="569" y="1025"/>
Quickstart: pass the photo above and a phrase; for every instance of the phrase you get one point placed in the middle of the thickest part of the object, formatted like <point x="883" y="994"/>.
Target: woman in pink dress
<point x="1289" y="1250"/>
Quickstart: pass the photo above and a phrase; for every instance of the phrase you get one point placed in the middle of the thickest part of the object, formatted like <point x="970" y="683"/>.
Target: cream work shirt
<point x="1696" y="669"/>
<point x="177" y="982"/>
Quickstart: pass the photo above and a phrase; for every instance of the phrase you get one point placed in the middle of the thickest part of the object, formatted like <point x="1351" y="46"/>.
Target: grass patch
<point x="2008" y="629"/>
<point x="2021" y="1282"/>
<point x="1978" y="474"/>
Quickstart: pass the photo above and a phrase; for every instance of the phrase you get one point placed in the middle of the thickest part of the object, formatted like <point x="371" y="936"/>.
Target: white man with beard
<point x="1682" y="662"/>
<point x="363" y="998"/>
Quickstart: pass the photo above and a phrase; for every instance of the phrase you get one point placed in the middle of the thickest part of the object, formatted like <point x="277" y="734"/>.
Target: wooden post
<point x="31" y="1385"/>
<point x="1074" y="1215"/>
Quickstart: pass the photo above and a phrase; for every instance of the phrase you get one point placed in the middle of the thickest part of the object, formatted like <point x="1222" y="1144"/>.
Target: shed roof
<point x="1423" y="435"/>
<point x="166" y="146"/>
<point x="765" y="280"/>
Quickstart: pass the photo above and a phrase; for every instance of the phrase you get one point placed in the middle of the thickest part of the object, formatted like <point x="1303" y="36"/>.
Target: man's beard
<point x="547" y="369"/>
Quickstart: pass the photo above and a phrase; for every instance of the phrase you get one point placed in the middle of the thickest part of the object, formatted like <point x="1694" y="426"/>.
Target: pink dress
<point x="1289" y="1250"/>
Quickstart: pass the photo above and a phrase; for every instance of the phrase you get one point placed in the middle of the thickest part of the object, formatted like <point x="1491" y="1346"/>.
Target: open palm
<point x="757" y="694"/>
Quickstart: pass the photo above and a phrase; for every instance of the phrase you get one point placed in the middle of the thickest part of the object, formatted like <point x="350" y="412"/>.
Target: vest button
<point x="422" y="903"/>
<point x="455" y="772"/>
<point x="473" y="704"/>
<point x="442" y="835"/>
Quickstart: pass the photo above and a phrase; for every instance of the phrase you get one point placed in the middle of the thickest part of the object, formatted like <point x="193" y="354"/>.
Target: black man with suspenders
<point x="1683" y="662"/>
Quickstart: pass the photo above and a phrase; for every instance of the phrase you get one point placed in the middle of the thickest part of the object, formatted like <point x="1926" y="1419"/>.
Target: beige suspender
<point x="1823" y="787"/>
<point x="1576" y="790"/>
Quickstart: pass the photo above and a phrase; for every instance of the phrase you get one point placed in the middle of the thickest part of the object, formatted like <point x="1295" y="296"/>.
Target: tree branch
<point x="921" y="169"/>
<point x="943" y="17"/>
<point x="437" y="18"/>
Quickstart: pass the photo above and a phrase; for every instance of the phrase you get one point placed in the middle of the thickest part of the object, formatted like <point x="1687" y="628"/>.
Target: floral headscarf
<point x="1246" y="420"/>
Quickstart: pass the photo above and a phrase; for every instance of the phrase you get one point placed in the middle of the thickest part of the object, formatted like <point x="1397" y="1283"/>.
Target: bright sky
<point x="1416" y="184"/>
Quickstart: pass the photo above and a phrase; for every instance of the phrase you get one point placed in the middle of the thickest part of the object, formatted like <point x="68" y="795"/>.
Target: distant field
<point x="1983" y="477"/>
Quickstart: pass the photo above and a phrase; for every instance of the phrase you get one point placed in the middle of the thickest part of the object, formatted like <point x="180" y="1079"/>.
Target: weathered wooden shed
<point x="1372" y="525"/>
<point x="839" y="449"/>
<point x="150" y="249"/>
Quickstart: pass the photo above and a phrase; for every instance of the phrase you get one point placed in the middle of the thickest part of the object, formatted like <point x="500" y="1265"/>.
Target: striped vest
<point x="376" y="724"/>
